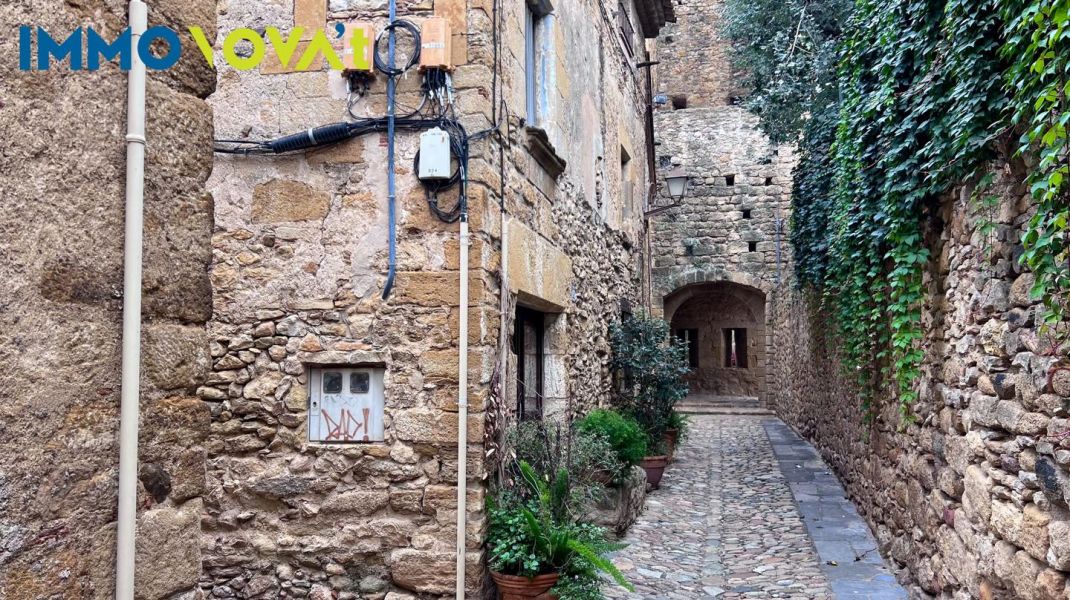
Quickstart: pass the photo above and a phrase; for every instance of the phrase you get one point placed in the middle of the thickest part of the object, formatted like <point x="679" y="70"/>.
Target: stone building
<point x="718" y="256"/>
<point x="301" y="259"/>
<point x="62" y="172"/>
<point x="971" y="500"/>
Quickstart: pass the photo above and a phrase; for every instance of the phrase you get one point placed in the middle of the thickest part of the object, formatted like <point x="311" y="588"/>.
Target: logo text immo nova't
<point x="169" y="48"/>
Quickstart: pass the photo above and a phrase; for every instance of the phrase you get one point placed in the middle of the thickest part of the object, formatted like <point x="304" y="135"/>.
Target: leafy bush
<point x="623" y="434"/>
<point x="536" y="535"/>
<point x="652" y="365"/>
<point x="682" y="423"/>
<point x="551" y="447"/>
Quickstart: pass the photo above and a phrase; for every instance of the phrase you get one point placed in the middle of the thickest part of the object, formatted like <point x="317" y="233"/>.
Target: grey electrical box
<point x="346" y="404"/>
<point x="435" y="155"/>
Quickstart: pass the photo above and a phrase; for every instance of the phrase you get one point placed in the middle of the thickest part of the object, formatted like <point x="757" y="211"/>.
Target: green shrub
<point x="652" y="365"/>
<point x="537" y="535"/>
<point x="551" y="447"/>
<point x="622" y="432"/>
<point x="682" y="423"/>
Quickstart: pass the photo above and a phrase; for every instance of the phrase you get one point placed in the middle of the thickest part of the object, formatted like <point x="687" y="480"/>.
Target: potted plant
<point x="652" y="365"/>
<point x="624" y="436"/>
<point x="537" y="550"/>
<point x="678" y="430"/>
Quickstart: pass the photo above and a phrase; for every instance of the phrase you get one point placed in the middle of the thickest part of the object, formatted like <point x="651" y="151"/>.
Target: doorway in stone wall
<point x="723" y="324"/>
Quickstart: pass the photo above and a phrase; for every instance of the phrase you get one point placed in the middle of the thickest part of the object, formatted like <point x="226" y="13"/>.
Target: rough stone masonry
<point x="971" y="500"/>
<point x="62" y="172"/>
<point x="299" y="264"/>
<point x="718" y="255"/>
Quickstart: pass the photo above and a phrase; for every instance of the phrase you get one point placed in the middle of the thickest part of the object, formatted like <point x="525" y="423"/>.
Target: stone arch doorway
<point x="724" y="324"/>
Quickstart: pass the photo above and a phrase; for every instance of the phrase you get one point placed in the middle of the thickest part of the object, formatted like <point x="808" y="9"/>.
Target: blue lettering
<point x="99" y="48"/>
<point x="47" y="48"/>
<point x="174" y="48"/>
<point x="25" y="48"/>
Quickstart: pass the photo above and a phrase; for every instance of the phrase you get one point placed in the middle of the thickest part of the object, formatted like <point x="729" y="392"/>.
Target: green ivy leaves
<point x="1038" y="44"/>
<point x="911" y="107"/>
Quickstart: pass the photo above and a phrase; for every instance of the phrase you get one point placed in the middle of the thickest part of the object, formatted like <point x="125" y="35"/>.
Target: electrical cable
<point x="394" y="71"/>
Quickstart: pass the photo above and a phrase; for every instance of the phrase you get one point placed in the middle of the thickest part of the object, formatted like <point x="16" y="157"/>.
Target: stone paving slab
<point x="846" y="547"/>
<point x="724" y="524"/>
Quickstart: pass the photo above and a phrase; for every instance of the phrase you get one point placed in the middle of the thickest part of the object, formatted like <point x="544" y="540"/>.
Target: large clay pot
<point x="671" y="437"/>
<point x="655" y="468"/>
<point x="513" y="587"/>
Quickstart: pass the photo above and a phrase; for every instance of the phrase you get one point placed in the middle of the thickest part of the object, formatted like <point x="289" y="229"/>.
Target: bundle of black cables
<point x="380" y="62"/>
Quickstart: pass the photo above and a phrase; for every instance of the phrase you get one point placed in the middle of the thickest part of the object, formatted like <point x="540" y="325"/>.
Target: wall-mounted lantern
<point x="677" y="184"/>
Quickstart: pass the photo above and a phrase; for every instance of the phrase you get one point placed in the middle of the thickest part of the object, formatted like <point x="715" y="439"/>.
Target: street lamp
<point x="677" y="182"/>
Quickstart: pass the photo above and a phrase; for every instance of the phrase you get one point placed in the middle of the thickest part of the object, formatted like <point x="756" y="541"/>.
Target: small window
<point x="735" y="348"/>
<point x="332" y="382"/>
<point x="359" y="383"/>
<point x="768" y="181"/>
<point x="746" y="213"/>
<point x="730" y="180"/>
<point x="690" y="337"/>
<point x="752" y="246"/>
<point x="528" y="344"/>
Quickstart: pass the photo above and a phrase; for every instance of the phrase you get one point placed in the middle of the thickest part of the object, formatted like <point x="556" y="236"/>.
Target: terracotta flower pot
<point x="671" y="437"/>
<point x="513" y="587"/>
<point x="655" y="468"/>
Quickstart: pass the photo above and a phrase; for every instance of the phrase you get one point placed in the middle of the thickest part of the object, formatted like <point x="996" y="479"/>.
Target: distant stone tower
<point x="719" y="255"/>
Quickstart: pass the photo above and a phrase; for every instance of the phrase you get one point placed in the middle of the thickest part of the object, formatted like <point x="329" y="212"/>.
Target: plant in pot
<point x="624" y="436"/>
<point x="651" y="364"/>
<point x="586" y="455"/>
<point x="678" y="430"/>
<point x="537" y="550"/>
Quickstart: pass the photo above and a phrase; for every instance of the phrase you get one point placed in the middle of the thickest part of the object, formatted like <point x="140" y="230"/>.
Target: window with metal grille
<point x="528" y="344"/>
<point x="627" y="32"/>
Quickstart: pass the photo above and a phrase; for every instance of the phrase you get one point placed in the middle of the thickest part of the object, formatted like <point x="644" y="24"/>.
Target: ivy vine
<point x="917" y="101"/>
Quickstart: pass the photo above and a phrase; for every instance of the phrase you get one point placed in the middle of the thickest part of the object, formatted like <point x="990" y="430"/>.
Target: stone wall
<point x="695" y="69"/>
<point x="730" y="228"/>
<point x="972" y="499"/>
<point x="300" y="259"/>
<point x="61" y="237"/>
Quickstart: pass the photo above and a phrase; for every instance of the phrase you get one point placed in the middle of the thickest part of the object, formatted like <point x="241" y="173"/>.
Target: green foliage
<point x="551" y="448"/>
<point x="623" y="434"/>
<point x="788" y="48"/>
<point x="538" y="535"/>
<point x="682" y="423"/>
<point x="652" y="365"/>
<point x="1038" y="46"/>
<point x="924" y="91"/>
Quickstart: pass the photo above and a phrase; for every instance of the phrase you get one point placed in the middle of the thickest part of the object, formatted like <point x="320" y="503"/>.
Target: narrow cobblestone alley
<point x="727" y="523"/>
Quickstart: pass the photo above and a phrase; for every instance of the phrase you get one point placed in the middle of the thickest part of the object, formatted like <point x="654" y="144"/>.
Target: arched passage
<point x="724" y="324"/>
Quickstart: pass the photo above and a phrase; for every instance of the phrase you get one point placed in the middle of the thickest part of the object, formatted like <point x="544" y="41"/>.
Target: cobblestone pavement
<point x="723" y="525"/>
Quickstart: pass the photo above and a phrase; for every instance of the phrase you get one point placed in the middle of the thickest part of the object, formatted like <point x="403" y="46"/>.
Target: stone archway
<point x="725" y="325"/>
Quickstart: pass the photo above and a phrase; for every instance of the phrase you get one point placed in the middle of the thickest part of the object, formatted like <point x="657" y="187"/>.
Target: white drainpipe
<point x="131" y="369"/>
<point x="462" y="413"/>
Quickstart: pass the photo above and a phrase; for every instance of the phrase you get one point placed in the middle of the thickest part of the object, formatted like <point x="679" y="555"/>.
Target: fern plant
<point x="534" y="536"/>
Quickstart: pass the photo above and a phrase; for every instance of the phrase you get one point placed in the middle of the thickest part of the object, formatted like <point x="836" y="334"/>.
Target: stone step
<point x="722" y="410"/>
<point x="720" y="402"/>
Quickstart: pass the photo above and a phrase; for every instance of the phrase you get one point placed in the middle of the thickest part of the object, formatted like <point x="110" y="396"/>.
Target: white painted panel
<point x="345" y="405"/>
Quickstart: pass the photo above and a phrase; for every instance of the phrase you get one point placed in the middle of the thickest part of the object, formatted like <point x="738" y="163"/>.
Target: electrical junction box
<point x="358" y="46"/>
<point x="345" y="404"/>
<point x="435" y="155"/>
<point x="436" y="48"/>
